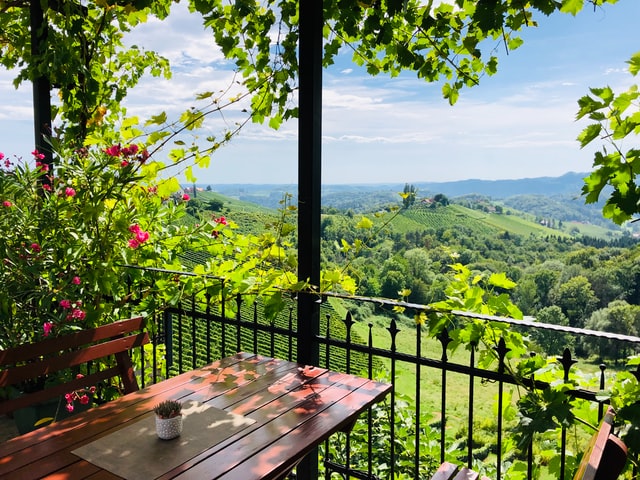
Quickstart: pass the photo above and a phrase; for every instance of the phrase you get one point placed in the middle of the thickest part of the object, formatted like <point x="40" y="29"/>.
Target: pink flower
<point x="186" y="197"/>
<point x="42" y="166"/>
<point x="76" y="314"/>
<point x="130" y="150"/>
<point x="124" y="163"/>
<point x="76" y="280"/>
<point x="7" y="204"/>
<point x="221" y="221"/>
<point x="37" y="154"/>
<point x="70" y="407"/>
<point x="84" y="399"/>
<point x="69" y="192"/>
<point x="46" y="187"/>
<point x="35" y="247"/>
<point x="65" y="303"/>
<point x="47" y="327"/>
<point x="142" y="236"/>
<point x="1" y="156"/>
<point x="113" y="151"/>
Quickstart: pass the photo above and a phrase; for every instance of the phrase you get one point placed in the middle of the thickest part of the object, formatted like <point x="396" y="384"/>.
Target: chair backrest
<point x="51" y="355"/>
<point x="606" y="454"/>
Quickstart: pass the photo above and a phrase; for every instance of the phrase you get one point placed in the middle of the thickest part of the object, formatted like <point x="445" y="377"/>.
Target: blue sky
<point x="518" y="123"/>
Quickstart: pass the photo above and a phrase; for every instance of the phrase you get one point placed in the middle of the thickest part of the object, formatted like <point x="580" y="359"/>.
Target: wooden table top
<point x="293" y="409"/>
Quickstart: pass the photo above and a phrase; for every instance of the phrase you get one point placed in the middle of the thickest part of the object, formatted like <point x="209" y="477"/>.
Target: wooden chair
<point x="606" y="454"/>
<point x="51" y="355"/>
<point x="604" y="458"/>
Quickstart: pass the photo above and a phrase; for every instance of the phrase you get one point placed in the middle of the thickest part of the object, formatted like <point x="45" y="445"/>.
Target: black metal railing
<point x="398" y="437"/>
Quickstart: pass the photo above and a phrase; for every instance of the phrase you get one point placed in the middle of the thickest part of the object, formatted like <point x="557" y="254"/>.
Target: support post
<point x="309" y="185"/>
<point x="41" y="84"/>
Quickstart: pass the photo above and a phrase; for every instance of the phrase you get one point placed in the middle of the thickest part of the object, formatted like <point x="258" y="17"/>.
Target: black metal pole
<point x="309" y="185"/>
<point x="309" y="174"/>
<point x="41" y="84"/>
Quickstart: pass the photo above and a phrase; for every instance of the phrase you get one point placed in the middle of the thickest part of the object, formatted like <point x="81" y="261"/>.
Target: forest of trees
<point x="576" y="281"/>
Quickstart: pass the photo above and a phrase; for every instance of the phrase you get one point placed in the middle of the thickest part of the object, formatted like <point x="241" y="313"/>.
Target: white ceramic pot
<point x="168" y="428"/>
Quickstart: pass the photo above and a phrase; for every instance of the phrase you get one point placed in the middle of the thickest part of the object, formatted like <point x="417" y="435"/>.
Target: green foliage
<point x="616" y="116"/>
<point x="82" y="56"/>
<point x="67" y="230"/>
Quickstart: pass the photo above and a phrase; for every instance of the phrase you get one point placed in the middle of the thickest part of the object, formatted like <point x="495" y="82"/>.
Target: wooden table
<point x="293" y="409"/>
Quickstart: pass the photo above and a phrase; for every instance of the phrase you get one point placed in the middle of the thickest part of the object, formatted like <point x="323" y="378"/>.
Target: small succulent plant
<point x="168" y="409"/>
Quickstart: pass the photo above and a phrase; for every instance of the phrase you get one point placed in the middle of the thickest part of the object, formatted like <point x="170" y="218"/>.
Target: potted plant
<point x="168" y="419"/>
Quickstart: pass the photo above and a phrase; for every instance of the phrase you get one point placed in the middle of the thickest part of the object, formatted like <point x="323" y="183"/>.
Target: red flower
<point x="7" y="203"/>
<point x="113" y="151"/>
<point x="69" y="192"/>
<point x="37" y="154"/>
<point x="47" y="327"/>
<point x="35" y="247"/>
<point x="76" y="280"/>
<point x="186" y="197"/>
<point x="42" y="166"/>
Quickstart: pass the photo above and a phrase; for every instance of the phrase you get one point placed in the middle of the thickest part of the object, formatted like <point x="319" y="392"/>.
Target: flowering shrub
<point x="66" y="231"/>
<point x="70" y="230"/>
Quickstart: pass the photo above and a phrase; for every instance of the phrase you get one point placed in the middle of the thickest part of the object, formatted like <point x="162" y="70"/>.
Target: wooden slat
<point x="34" y="454"/>
<point x="338" y="405"/>
<point x="53" y="345"/>
<point x="606" y="454"/>
<point x="282" y="417"/>
<point x="446" y="471"/>
<point x="293" y="410"/>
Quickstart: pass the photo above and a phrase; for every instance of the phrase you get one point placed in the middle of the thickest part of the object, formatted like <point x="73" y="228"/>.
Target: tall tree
<point x="409" y="195"/>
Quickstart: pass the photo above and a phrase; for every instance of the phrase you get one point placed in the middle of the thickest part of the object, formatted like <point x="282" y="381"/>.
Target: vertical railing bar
<point x="602" y="367"/>
<point x="502" y="351"/>
<point x="180" y="338"/>
<point x="416" y="457"/>
<point x="327" y="348"/>
<point x="472" y="364"/>
<point x="223" y="325"/>
<point x="393" y="331"/>
<point x="208" y="326"/>
<point x="348" y="323"/>
<point x="566" y="361"/>
<point x="255" y="326"/>
<point x="530" y="448"/>
<point x="194" y="334"/>
<point x="168" y="341"/>
<point x="327" y="360"/>
<point x="291" y="336"/>
<point x="238" y="323"/>
<point x="444" y="341"/>
<point x="369" y="411"/>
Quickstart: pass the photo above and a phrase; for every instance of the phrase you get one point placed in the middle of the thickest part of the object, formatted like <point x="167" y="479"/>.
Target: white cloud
<point x="520" y="122"/>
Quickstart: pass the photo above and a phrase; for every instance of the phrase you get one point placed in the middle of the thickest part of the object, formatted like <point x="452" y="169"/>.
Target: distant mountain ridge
<point x="569" y="184"/>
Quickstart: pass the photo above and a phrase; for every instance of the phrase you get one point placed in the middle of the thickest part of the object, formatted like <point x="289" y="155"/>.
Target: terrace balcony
<point x="444" y="407"/>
